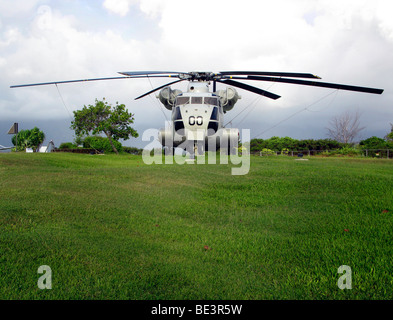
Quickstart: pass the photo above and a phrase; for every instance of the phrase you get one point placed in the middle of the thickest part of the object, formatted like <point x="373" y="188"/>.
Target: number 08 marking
<point x="199" y="121"/>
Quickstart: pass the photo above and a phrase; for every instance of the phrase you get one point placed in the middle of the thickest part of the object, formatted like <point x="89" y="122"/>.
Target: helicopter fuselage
<point x="197" y="118"/>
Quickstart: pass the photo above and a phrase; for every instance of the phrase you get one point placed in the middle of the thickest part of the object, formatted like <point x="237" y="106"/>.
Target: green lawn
<point x="112" y="227"/>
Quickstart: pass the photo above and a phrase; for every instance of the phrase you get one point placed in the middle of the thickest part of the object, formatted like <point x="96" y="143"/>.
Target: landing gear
<point x="169" y="151"/>
<point x="228" y="151"/>
<point x="197" y="148"/>
<point x="172" y="151"/>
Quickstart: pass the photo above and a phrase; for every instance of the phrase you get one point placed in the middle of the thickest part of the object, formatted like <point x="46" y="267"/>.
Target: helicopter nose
<point x="196" y="135"/>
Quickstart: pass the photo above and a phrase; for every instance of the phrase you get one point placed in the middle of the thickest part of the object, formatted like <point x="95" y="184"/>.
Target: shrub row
<point x="287" y="143"/>
<point x="278" y="144"/>
<point x="96" y="143"/>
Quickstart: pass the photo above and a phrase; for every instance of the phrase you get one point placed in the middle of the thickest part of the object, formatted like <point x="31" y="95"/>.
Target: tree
<point x="114" y="121"/>
<point x="30" y="138"/>
<point x="374" y="143"/>
<point x="389" y="136"/>
<point x="345" y="128"/>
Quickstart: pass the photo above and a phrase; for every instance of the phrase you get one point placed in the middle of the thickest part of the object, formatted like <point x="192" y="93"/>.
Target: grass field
<point x="112" y="227"/>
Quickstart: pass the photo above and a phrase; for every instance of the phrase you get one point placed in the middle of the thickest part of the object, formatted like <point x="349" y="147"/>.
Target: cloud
<point x="120" y="7"/>
<point x="346" y="42"/>
<point x="11" y="8"/>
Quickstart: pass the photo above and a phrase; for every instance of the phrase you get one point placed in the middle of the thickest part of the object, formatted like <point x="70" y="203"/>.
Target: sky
<point x="344" y="41"/>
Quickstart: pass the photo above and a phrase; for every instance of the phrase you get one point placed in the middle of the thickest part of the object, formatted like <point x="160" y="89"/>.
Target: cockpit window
<point x="182" y="100"/>
<point x="177" y="114"/>
<point x="214" y="115"/>
<point x="196" y="100"/>
<point x="211" y="100"/>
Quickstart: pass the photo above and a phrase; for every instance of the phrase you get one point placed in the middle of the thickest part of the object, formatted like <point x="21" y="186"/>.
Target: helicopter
<point x="4" y="148"/>
<point x="198" y="113"/>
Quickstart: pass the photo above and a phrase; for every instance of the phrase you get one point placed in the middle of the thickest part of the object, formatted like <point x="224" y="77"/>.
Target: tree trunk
<point x="111" y="142"/>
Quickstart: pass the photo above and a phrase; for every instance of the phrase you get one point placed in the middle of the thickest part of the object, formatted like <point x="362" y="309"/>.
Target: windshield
<point x="211" y="100"/>
<point x="196" y="100"/>
<point x="182" y="100"/>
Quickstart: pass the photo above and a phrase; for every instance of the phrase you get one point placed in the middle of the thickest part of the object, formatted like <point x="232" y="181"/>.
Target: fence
<point x="375" y="153"/>
<point x="379" y="153"/>
<point x="292" y="153"/>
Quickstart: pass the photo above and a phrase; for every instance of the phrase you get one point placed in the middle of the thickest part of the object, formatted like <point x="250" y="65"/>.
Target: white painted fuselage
<point x="197" y="118"/>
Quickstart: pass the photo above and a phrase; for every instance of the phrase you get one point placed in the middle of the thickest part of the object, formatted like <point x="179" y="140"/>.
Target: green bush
<point x="267" y="152"/>
<point x="277" y="144"/>
<point x="67" y="145"/>
<point x="348" y="151"/>
<point x="32" y="138"/>
<point x="132" y="150"/>
<point x="374" y="143"/>
<point x="344" y="151"/>
<point x="285" y="152"/>
<point x="101" y="144"/>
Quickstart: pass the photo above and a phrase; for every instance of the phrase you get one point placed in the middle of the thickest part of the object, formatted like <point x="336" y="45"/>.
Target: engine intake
<point x="167" y="96"/>
<point x="228" y="98"/>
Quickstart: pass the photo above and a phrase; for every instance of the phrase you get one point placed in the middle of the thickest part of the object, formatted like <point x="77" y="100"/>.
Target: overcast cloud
<point x="344" y="41"/>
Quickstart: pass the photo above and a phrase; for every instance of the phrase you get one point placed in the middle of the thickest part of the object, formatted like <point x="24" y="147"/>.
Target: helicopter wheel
<point x="193" y="149"/>
<point x="200" y="149"/>
<point x="169" y="151"/>
<point x="228" y="151"/>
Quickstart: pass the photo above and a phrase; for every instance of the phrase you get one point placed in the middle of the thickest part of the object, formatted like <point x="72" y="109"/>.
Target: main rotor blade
<point x="146" y="73"/>
<point x="151" y="91"/>
<point x="319" y="84"/>
<point x="85" y="80"/>
<point x="250" y="88"/>
<point x="273" y="74"/>
<point x="68" y="81"/>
